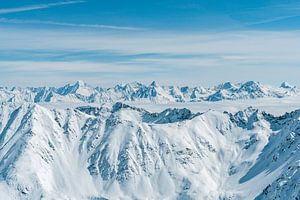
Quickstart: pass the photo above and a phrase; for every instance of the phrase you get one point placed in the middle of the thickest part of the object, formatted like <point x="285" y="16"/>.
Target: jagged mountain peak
<point x="129" y="88"/>
<point x="119" y="105"/>
<point x="247" y="90"/>
<point x="228" y="85"/>
<point x="75" y="85"/>
<point x="285" y="85"/>
<point x="80" y="83"/>
<point x="131" y="84"/>
<point x="251" y="86"/>
<point x="82" y="92"/>
<point x="79" y="87"/>
<point x="153" y="84"/>
<point x="170" y="116"/>
<point x="246" y="118"/>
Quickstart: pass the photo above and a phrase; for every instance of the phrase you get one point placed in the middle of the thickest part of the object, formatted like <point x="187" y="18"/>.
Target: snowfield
<point x="233" y="141"/>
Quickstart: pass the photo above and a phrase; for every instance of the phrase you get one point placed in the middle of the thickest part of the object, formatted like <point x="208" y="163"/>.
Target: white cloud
<point x="273" y="19"/>
<point x="100" y="26"/>
<point x="72" y="67"/>
<point x="182" y="58"/>
<point x="231" y="46"/>
<point x="37" y="7"/>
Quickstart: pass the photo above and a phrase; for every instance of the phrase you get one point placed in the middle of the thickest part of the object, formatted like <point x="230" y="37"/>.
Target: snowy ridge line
<point x="170" y="115"/>
<point x="81" y="92"/>
<point x="124" y="152"/>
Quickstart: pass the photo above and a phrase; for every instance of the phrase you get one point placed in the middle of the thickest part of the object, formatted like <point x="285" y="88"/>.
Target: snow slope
<point x="123" y="152"/>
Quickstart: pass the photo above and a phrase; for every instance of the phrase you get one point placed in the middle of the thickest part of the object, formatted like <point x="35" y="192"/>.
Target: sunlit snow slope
<point x="123" y="152"/>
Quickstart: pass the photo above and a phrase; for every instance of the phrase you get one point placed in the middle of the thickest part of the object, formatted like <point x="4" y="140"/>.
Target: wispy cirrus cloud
<point x="102" y="58"/>
<point x="65" y="24"/>
<point x="37" y="7"/>
<point x="273" y="19"/>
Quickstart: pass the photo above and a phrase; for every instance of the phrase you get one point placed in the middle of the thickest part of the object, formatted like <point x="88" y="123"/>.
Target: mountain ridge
<point x="121" y="151"/>
<point x="82" y="92"/>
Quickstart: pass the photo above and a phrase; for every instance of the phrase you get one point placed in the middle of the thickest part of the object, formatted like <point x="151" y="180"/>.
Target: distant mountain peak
<point x="227" y="86"/>
<point x="251" y="86"/>
<point x="80" y="83"/>
<point x="251" y="83"/>
<point x="153" y="84"/>
<point x="135" y="91"/>
<point x="285" y="85"/>
<point x="79" y="87"/>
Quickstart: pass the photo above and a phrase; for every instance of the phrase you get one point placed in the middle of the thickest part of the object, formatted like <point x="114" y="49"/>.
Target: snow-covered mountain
<point x="123" y="152"/>
<point x="82" y="92"/>
<point x="249" y="90"/>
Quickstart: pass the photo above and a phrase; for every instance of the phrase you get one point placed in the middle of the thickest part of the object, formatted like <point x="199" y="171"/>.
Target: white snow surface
<point x="239" y="148"/>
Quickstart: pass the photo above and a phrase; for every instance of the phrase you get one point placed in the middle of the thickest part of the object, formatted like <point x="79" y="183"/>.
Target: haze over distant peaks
<point x="135" y="91"/>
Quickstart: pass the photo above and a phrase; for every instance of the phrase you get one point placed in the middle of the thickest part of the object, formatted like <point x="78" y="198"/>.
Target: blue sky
<point x="190" y="42"/>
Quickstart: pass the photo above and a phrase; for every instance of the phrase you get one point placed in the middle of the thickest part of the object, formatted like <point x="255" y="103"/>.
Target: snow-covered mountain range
<point x="125" y="152"/>
<point x="114" y="150"/>
<point x="82" y="92"/>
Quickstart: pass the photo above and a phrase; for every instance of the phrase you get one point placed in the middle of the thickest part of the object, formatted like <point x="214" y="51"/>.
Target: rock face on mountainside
<point x="120" y="151"/>
<point x="81" y="92"/>
<point x="286" y="85"/>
